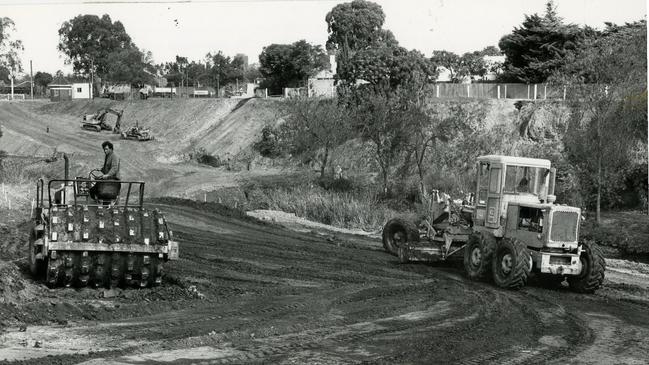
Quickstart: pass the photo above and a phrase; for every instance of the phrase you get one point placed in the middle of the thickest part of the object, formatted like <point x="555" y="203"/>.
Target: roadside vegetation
<point x="597" y="139"/>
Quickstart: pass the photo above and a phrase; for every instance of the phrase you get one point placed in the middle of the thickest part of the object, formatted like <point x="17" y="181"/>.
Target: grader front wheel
<point x="511" y="264"/>
<point x="592" y="272"/>
<point x="397" y="232"/>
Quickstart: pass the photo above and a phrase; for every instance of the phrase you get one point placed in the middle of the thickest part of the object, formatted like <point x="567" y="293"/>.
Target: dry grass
<point x="627" y="231"/>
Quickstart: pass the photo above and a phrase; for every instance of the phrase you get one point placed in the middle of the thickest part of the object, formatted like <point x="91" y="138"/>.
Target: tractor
<point x="511" y="231"/>
<point x="97" y="122"/>
<point x="91" y="232"/>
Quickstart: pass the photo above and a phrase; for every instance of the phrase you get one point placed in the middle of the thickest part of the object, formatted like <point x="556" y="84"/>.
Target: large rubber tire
<point x="36" y="267"/>
<point x="511" y="264"/>
<point x="478" y="254"/>
<point x="398" y="231"/>
<point x="592" y="274"/>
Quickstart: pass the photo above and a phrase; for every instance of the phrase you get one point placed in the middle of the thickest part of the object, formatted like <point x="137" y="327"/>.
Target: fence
<point x="499" y="91"/>
<point x="15" y="97"/>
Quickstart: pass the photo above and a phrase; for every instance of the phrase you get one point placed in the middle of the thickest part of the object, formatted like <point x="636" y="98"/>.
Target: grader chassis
<point x="515" y="231"/>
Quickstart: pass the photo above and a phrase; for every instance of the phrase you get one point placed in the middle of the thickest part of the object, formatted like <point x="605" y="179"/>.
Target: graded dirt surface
<point x="253" y="291"/>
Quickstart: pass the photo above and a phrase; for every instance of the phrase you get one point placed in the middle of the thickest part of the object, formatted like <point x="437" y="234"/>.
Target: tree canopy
<point x="9" y="47"/>
<point x="387" y="67"/>
<point x="126" y="65"/>
<point x="539" y="46"/>
<point x="92" y="43"/>
<point x="356" y="25"/>
<point x="289" y="65"/>
<point x="606" y="139"/>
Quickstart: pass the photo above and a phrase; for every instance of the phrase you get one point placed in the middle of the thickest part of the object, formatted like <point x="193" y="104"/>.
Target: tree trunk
<point x="323" y="165"/>
<point x="599" y="173"/>
<point x="385" y="182"/>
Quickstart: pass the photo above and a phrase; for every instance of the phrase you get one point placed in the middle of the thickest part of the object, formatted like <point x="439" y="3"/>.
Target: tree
<point x="387" y="67"/>
<point x="539" y="46"/>
<point x="472" y="64"/>
<point x="43" y="79"/>
<point x="127" y="66"/>
<point x="289" y="65"/>
<point x="377" y="117"/>
<point x="88" y="41"/>
<point x="10" y="49"/>
<point x="608" y="81"/>
<point x="490" y="51"/>
<point x="356" y="25"/>
<point x="315" y="125"/>
<point x="449" y="61"/>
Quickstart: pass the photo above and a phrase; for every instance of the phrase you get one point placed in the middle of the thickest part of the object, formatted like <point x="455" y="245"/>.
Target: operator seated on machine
<point x="110" y="171"/>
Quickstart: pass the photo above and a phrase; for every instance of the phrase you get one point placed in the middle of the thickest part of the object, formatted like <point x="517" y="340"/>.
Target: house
<point x="61" y="92"/>
<point x="323" y="83"/>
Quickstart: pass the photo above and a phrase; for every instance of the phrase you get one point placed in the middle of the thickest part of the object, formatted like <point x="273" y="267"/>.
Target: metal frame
<point x="68" y="182"/>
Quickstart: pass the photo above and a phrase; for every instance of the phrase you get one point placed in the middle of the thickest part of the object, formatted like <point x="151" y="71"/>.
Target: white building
<point x="323" y="83"/>
<point x="81" y="91"/>
<point x="77" y="90"/>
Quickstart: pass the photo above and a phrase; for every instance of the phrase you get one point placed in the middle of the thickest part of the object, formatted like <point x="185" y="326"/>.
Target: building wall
<point x="81" y="91"/>
<point x="60" y="94"/>
<point x="322" y="87"/>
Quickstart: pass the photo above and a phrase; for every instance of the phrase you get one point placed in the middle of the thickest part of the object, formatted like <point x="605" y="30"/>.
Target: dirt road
<point x="249" y="292"/>
<point x="245" y="291"/>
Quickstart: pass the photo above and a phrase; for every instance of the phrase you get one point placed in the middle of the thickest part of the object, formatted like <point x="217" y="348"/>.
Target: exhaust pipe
<point x="66" y="159"/>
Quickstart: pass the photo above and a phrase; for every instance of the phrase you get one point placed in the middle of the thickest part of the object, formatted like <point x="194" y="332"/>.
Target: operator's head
<point x="107" y="147"/>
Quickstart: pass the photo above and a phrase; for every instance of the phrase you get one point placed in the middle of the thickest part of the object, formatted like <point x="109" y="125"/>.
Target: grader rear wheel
<point x="397" y="232"/>
<point x="477" y="257"/>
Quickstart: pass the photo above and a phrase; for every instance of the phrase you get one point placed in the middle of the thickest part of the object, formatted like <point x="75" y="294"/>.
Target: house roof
<point x="517" y="161"/>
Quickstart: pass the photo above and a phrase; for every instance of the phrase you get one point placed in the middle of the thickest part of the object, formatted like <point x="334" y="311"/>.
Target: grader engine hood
<point x="563" y="226"/>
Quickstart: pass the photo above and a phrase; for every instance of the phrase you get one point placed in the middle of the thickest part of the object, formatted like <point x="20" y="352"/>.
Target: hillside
<point x="180" y="127"/>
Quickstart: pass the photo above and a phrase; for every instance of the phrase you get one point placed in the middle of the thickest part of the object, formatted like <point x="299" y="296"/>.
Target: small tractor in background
<point x="97" y="122"/>
<point x="137" y="133"/>
<point x="511" y="231"/>
<point x="89" y="232"/>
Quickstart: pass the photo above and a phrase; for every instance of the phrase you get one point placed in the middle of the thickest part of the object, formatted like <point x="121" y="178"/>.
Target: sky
<point x="192" y="28"/>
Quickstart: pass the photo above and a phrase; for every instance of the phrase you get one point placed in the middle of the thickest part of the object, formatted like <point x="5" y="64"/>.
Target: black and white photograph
<point x="324" y="182"/>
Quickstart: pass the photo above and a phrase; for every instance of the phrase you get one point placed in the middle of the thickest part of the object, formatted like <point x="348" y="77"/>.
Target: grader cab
<point x="105" y="239"/>
<point x="515" y="231"/>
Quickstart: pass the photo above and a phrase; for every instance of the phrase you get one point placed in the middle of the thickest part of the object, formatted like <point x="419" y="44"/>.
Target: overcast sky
<point x="192" y="28"/>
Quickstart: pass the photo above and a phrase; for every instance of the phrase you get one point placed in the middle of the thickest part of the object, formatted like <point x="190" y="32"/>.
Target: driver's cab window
<point x="520" y="179"/>
<point x="483" y="171"/>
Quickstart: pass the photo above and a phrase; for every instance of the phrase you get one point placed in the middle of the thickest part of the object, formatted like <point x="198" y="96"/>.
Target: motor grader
<point x="513" y="231"/>
<point x="102" y="237"/>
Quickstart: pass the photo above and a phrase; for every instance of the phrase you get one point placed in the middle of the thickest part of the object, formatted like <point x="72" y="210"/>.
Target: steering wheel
<point x="95" y="174"/>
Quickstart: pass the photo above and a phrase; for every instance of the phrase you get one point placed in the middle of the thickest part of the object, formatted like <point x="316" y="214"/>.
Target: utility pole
<point x="12" y="83"/>
<point x="92" y="79"/>
<point x="31" y="78"/>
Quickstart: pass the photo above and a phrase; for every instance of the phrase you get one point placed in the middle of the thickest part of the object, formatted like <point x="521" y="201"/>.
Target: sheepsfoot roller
<point x="510" y="231"/>
<point x="86" y="234"/>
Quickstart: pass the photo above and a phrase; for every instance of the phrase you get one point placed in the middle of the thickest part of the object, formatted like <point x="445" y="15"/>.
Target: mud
<point x="245" y="291"/>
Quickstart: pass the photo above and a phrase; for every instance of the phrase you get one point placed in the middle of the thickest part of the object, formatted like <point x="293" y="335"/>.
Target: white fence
<point x="15" y="97"/>
<point x="499" y="91"/>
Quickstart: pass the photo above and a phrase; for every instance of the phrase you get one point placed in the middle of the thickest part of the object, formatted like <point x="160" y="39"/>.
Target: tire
<point x="397" y="232"/>
<point x="511" y="264"/>
<point x="36" y="267"/>
<point x="592" y="274"/>
<point x="478" y="254"/>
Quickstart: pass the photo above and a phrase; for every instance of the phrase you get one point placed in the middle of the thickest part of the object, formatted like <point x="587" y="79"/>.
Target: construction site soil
<point x="279" y="290"/>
